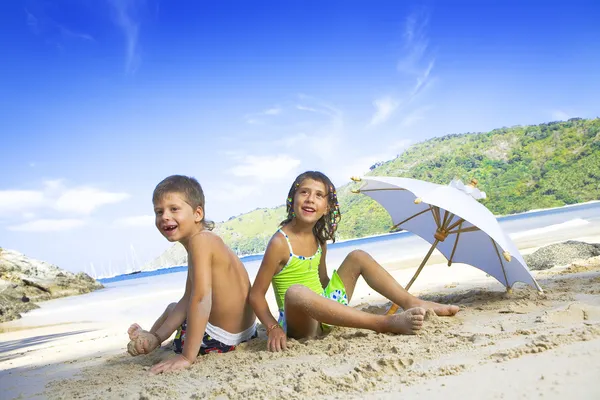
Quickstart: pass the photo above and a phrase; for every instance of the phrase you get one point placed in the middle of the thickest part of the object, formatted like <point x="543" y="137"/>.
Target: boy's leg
<point x="303" y="308"/>
<point x="134" y="329"/>
<point x="359" y="263"/>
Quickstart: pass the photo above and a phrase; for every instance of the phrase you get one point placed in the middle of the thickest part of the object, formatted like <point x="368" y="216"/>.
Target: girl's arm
<point x="274" y="257"/>
<point x="323" y="267"/>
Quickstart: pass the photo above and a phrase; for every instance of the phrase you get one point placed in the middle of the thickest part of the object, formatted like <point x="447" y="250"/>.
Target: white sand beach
<point x="519" y="345"/>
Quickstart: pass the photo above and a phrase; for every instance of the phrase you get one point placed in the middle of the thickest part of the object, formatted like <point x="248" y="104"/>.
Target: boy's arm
<point x="199" y="303"/>
<point x="323" y="267"/>
<point x="200" y="300"/>
<point x="269" y="266"/>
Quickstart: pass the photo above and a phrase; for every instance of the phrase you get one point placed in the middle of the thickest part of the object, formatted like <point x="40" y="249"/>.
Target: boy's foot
<point x="442" y="310"/>
<point x="134" y="331"/>
<point x="407" y="322"/>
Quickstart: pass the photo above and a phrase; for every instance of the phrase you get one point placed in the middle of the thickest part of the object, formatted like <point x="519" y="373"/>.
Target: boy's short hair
<point x="191" y="190"/>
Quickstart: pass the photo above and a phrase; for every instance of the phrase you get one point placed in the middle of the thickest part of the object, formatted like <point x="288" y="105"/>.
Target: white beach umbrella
<point x="453" y="221"/>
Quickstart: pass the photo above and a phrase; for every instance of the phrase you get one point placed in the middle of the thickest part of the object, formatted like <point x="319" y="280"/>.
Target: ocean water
<point x="140" y="297"/>
<point x="403" y="245"/>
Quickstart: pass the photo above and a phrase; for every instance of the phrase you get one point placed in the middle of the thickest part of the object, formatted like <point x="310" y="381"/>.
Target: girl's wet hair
<point x="326" y="226"/>
<point x="188" y="187"/>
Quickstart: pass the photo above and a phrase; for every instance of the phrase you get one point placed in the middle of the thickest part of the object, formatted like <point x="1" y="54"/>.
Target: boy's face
<point x="311" y="201"/>
<point x="175" y="218"/>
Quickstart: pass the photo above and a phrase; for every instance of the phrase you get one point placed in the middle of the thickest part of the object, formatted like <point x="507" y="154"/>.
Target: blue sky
<point x="101" y="99"/>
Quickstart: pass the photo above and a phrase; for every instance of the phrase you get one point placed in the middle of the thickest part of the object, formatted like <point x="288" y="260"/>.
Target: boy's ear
<point x="199" y="214"/>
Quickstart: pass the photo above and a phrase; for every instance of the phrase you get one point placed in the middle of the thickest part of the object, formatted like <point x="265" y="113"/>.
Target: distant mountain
<point x="520" y="168"/>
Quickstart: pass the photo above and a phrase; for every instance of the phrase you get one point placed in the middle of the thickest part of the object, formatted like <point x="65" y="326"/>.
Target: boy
<point x="215" y="302"/>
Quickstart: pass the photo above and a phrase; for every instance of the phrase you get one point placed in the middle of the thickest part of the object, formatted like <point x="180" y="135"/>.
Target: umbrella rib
<point x="409" y="218"/>
<point x="445" y="218"/>
<point x="501" y="263"/>
<point x="469" y="229"/>
<point x="435" y="216"/>
<point x="382" y="189"/>
<point x="454" y="225"/>
<point x="455" y="242"/>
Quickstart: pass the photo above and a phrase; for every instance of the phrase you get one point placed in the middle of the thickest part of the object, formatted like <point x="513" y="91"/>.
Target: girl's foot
<point x="408" y="322"/>
<point x="442" y="310"/>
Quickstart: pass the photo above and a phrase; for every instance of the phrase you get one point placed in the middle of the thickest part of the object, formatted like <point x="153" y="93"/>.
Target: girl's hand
<point x="176" y="363"/>
<point x="277" y="339"/>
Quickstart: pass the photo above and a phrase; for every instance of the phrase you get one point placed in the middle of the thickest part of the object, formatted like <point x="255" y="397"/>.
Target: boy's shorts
<point x="335" y="291"/>
<point x="208" y="345"/>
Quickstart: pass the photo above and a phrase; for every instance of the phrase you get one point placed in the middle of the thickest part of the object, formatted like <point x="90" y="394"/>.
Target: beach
<point x="500" y="345"/>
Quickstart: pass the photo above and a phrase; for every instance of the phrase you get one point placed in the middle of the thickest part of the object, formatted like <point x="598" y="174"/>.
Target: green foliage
<point x="249" y="233"/>
<point x="520" y="169"/>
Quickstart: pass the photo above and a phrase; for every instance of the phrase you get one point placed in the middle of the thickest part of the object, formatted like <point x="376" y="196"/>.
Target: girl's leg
<point x="303" y="308"/>
<point x="135" y="328"/>
<point x="359" y="263"/>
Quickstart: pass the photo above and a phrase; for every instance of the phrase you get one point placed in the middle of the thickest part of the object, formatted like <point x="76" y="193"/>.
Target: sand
<point x="519" y="345"/>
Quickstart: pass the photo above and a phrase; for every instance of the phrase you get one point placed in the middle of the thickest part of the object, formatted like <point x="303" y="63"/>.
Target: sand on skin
<point x="493" y="329"/>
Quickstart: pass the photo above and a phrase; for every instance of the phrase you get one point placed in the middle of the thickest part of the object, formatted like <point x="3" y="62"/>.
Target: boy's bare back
<point x="230" y="286"/>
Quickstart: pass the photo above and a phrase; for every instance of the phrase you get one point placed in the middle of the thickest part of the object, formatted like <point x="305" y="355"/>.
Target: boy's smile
<point x="175" y="218"/>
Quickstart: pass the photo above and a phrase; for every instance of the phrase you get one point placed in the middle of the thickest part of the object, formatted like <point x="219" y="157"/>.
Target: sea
<point x="139" y="297"/>
<point x="405" y="245"/>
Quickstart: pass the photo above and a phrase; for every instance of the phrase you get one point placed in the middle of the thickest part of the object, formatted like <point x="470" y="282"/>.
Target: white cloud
<point x="559" y="115"/>
<point x="55" y="195"/>
<point x="265" y="167"/>
<point x="124" y="18"/>
<point x="417" y="61"/>
<point x="48" y="225"/>
<point x="413" y="117"/>
<point x="86" y="199"/>
<point x="292" y="140"/>
<point x="384" y="108"/>
<point x="254" y="118"/>
<point x="360" y="165"/>
<point x="273" y="111"/>
<point x="20" y="200"/>
<point x="138" y="221"/>
<point x="229" y="192"/>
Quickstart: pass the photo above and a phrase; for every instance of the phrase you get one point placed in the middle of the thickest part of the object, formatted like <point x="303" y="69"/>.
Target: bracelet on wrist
<point x="272" y="328"/>
<point x="157" y="338"/>
<point x="186" y="359"/>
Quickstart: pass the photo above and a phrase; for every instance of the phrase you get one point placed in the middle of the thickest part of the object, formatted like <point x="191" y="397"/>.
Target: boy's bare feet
<point x="442" y="310"/>
<point x="407" y="322"/>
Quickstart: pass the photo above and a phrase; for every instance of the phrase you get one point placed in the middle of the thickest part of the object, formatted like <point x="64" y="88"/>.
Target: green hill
<point x="520" y="169"/>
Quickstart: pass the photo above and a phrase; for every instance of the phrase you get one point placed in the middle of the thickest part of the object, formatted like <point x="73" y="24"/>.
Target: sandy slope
<point x="499" y="346"/>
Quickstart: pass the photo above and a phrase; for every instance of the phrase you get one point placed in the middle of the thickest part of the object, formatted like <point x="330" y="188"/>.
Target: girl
<point x="309" y="302"/>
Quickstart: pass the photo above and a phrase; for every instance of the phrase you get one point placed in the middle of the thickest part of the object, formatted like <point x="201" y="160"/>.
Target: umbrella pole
<point x="395" y="307"/>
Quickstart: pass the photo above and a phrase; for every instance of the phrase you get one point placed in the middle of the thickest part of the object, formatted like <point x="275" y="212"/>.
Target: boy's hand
<point x="176" y="363"/>
<point x="144" y="343"/>
<point x="277" y="340"/>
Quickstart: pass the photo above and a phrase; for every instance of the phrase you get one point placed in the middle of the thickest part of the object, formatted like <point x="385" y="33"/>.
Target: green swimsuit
<point x="305" y="271"/>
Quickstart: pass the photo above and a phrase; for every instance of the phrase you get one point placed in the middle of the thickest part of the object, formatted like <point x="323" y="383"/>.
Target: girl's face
<point x="311" y="201"/>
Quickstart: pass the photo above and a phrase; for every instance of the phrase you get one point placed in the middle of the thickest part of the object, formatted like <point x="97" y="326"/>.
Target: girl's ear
<point x="198" y="214"/>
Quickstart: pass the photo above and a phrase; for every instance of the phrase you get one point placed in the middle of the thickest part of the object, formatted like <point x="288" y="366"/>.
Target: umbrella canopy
<point x="454" y="222"/>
